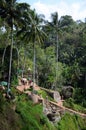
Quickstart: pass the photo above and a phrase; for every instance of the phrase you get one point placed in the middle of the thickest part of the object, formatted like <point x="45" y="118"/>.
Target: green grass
<point x="45" y="94"/>
<point x="72" y="122"/>
<point x="32" y="115"/>
<point x="70" y="104"/>
<point x="29" y="116"/>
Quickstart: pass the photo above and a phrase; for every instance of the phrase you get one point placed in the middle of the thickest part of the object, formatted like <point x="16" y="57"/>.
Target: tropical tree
<point x="13" y="14"/>
<point x="55" y="29"/>
<point x="54" y="23"/>
<point x="33" y="33"/>
<point x="66" y="21"/>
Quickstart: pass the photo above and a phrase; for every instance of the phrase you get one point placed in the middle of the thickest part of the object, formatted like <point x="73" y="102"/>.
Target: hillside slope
<point x="22" y="114"/>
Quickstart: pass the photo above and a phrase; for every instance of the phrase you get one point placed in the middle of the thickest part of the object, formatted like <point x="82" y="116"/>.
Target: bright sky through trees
<point x="75" y="8"/>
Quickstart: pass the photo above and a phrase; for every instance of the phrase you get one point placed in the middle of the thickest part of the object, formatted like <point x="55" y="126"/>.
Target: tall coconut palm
<point x="13" y="14"/>
<point x="55" y="29"/>
<point x="34" y="33"/>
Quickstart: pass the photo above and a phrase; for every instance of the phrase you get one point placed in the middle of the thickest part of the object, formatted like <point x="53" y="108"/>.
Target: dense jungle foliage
<point x="51" y="53"/>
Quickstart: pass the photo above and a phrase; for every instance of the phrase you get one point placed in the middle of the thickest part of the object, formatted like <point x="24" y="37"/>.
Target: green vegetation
<point x="45" y="94"/>
<point x="32" y="115"/>
<point x="55" y="52"/>
<point x="72" y="122"/>
<point x="28" y="116"/>
<point x="70" y="104"/>
<point x="8" y="118"/>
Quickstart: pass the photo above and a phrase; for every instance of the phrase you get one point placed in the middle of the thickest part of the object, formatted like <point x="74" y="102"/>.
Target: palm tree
<point x="33" y="33"/>
<point x="55" y="29"/>
<point x="13" y="14"/>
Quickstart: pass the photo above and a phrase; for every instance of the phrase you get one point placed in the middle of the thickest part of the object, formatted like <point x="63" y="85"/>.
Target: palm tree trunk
<point x="56" y="60"/>
<point x="18" y="61"/>
<point x="10" y="63"/>
<point x="4" y="55"/>
<point x="34" y="63"/>
<point x="85" y="80"/>
<point x="36" y="75"/>
<point x="5" y="50"/>
<point x="23" y="68"/>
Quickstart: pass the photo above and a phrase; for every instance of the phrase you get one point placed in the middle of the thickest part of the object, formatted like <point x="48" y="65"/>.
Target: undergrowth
<point x="72" y="122"/>
<point x="32" y="115"/>
<point x="29" y="116"/>
<point x="71" y="104"/>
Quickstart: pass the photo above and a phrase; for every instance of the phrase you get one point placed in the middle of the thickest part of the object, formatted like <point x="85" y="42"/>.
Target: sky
<point x="74" y="8"/>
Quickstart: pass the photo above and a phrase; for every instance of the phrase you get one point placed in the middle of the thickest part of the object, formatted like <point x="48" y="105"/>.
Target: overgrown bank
<point x="22" y="114"/>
